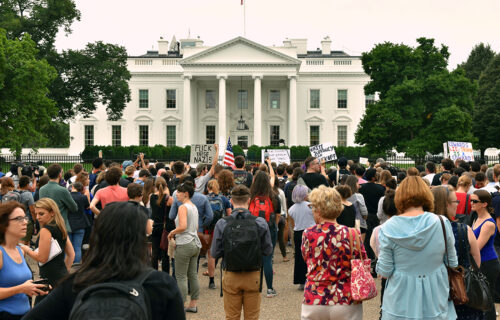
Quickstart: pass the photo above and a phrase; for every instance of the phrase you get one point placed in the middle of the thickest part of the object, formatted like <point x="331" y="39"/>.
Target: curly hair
<point x="327" y="202"/>
<point x="225" y="179"/>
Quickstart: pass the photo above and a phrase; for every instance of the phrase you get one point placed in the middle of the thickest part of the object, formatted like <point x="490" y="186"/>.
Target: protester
<point x="60" y="195"/>
<point x="336" y="176"/>
<point x="78" y="220"/>
<point x="54" y="264"/>
<point x="485" y="230"/>
<point x="135" y="196"/>
<point x="97" y="168"/>
<point x="117" y="251"/>
<point x="226" y="183"/>
<point x="410" y="257"/>
<point x="315" y="174"/>
<point x="445" y="203"/>
<point x="327" y="251"/>
<point x="347" y="216"/>
<point x="494" y="184"/>
<point x="187" y="246"/>
<point x="358" y="200"/>
<point x="430" y="171"/>
<point x="448" y="166"/>
<point x="15" y="275"/>
<point x="303" y="219"/>
<point x="113" y="192"/>
<point x="282" y="221"/>
<point x="26" y="199"/>
<point x="381" y="215"/>
<point x="203" y="174"/>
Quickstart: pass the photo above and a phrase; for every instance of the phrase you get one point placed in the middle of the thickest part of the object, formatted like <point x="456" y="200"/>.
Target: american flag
<point x="229" y="155"/>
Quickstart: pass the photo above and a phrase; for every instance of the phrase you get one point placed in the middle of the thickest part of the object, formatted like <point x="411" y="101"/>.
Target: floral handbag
<point x="362" y="283"/>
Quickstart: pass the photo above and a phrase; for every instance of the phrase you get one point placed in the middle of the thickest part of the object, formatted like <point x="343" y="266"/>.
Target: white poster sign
<point x="363" y="161"/>
<point x="445" y="149"/>
<point x="277" y="155"/>
<point x="324" y="151"/>
<point x="202" y="153"/>
<point x="461" y="150"/>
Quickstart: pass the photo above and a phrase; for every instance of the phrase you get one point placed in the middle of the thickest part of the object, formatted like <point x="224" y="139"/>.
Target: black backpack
<point x="241" y="243"/>
<point x="114" y="300"/>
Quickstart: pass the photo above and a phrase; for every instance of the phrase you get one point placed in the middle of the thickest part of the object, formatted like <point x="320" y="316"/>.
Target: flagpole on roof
<point x="243" y="2"/>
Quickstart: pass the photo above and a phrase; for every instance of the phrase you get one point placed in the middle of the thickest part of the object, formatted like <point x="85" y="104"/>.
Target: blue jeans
<point x="267" y="261"/>
<point x="76" y="238"/>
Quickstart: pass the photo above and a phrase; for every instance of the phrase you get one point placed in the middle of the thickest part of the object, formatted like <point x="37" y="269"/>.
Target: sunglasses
<point x="20" y="219"/>
<point x="475" y="201"/>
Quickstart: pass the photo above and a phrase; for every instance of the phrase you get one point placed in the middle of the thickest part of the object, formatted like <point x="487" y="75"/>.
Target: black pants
<point x="299" y="267"/>
<point x="371" y="222"/>
<point x="157" y="253"/>
<point x="281" y="239"/>
<point x="491" y="269"/>
<point x="7" y="316"/>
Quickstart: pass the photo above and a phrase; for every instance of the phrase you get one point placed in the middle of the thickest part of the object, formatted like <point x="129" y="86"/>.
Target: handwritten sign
<point x="202" y="153"/>
<point x="324" y="151"/>
<point x="363" y="161"/>
<point x="277" y="155"/>
<point x="461" y="150"/>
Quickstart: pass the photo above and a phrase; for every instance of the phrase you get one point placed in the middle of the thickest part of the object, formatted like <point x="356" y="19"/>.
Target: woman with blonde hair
<point x="445" y="204"/>
<point x="464" y="206"/>
<point x="412" y="257"/>
<point x="54" y="262"/>
<point x="385" y="177"/>
<point x="327" y="251"/>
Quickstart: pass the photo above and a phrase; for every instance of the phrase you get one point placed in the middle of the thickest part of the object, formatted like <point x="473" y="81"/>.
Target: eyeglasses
<point x="475" y="201"/>
<point x="20" y="219"/>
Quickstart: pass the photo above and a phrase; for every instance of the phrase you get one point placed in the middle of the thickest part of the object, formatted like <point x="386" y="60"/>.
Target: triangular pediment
<point x="314" y="119"/>
<point x="240" y="51"/>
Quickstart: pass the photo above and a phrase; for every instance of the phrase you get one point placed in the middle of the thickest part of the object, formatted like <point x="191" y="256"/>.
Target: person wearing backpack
<point x="241" y="240"/>
<point x="265" y="203"/>
<point x="241" y="176"/>
<point x="221" y="207"/>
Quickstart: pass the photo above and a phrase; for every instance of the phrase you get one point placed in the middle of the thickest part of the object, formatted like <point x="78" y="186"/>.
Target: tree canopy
<point x="421" y="103"/>
<point x="25" y="108"/>
<point x="479" y="58"/>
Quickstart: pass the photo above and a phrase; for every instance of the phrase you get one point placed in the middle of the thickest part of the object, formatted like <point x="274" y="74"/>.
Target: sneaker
<point x="211" y="285"/>
<point x="301" y="287"/>
<point x="271" y="293"/>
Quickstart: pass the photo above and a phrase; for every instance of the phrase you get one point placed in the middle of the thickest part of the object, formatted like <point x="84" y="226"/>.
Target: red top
<point x="327" y="253"/>
<point x="111" y="194"/>
<point x="462" y="197"/>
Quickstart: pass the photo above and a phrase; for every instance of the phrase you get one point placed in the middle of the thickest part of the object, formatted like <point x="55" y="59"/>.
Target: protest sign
<point x="461" y="150"/>
<point x="277" y="155"/>
<point x="324" y="151"/>
<point x="445" y="148"/>
<point x="363" y="161"/>
<point x="202" y="153"/>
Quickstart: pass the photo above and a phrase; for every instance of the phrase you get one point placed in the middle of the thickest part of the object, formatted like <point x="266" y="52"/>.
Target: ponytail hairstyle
<point x="160" y="185"/>
<point x="485" y="197"/>
<point x="213" y="186"/>
<point x="49" y="205"/>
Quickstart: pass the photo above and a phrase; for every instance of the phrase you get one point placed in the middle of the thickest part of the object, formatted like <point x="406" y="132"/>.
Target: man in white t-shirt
<point x="203" y="174"/>
<point x="430" y="170"/>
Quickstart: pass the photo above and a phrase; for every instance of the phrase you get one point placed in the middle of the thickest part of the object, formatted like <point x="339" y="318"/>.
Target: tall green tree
<point x="479" y="58"/>
<point x="24" y="105"/>
<point x="486" y="115"/>
<point x="85" y="78"/>
<point x="421" y="103"/>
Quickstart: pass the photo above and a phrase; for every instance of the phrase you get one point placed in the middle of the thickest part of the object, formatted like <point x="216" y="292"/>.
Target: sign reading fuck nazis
<point x="324" y="151"/>
<point x="202" y="153"/>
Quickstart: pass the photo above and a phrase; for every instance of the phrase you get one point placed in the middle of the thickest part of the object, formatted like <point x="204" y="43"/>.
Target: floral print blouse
<point x="327" y="253"/>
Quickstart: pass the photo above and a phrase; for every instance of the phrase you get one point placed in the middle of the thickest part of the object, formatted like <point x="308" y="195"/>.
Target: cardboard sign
<point x="363" y="161"/>
<point x="324" y="151"/>
<point x="277" y="155"/>
<point x="461" y="150"/>
<point x="202" y="153"/>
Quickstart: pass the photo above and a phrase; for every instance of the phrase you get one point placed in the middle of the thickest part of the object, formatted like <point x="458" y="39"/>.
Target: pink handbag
<point x="362" y="283"/>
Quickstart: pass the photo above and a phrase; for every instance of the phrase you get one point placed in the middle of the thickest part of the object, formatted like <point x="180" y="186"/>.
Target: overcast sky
<point x="354" y="26"/>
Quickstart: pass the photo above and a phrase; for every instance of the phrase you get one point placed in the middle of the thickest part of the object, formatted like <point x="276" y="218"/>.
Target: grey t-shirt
<point x="201" y="181"/>
<point x="302" y="216"/>
<point x="191" y="232"/>
<point x="27" y="201"/>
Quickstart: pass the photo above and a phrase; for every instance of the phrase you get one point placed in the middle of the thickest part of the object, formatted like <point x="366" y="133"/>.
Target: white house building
<point x="188" y="93"/>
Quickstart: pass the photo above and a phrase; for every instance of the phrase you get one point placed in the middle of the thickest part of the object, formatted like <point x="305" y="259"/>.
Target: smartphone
<point x="43" y="281"/>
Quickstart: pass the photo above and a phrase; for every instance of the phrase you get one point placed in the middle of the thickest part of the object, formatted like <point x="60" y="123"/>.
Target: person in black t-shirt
<point x="124" y="260"/>
<point x="341" y="170"/>
<point x="315" y="174"/>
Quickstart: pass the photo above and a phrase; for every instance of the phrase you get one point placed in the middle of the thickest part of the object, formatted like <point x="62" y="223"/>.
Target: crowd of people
<point x="142" y="227"/>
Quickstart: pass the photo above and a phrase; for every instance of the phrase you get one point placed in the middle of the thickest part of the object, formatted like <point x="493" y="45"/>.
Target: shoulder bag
<point x="362" y="283"/>
<point x="476" y="283"/>
<point x="458" y="293"/>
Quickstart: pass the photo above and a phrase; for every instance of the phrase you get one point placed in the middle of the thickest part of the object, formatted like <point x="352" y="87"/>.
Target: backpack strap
<point x="467" y="197"/>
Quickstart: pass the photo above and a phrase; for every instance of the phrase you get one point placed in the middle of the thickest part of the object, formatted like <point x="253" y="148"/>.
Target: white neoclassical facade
<point x="188" y="93"/>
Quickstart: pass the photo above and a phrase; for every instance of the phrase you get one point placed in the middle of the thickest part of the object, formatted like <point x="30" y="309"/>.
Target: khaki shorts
<point x="29" y="232"/>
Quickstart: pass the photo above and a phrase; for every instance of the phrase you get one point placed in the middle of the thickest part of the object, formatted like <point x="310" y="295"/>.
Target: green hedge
<point x="160" y="152"/>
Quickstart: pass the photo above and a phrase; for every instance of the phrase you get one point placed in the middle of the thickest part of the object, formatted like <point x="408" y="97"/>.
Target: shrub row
<point x="160" y="152"/>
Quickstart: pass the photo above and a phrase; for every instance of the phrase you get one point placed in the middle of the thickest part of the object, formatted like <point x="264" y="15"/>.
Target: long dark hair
<point x="118" y="248"/>
<point x="261" y="187"/>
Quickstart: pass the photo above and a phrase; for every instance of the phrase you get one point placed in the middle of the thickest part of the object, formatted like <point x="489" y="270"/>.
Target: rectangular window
<point x="275" y="136"/>
<point x="143" y="135"/>
<point x="342" y="99"/>
<point x="210" y="99"/>
<point x="143" y="99"/>
<point x="171" y="99"/>
<point x="171" y="136"/>
<point x="116" y="136"/>
<point x="314" y="99"/>
<point x="89" y="136"/>
<point x="242" y="99"/>
<point x="342" y="136"/>
<point x="274" y="97"/>
<point x="243" y="141"/>
<point x="210" y="133"/>
<point x="313" y="135"/>
<point x="369" y="99"/>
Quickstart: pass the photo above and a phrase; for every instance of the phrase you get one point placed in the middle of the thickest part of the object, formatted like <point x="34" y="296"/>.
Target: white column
<point x="186" y="112"/>
<point x="222" y="112"/>
<point x="292" y="112"/>
<point x="257" y="111"/>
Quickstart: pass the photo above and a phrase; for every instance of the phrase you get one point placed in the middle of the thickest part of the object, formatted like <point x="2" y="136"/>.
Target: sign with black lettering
<point x="324" y="151"/>
<point x="202" y="153"/>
